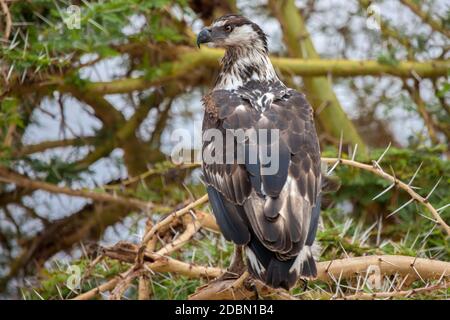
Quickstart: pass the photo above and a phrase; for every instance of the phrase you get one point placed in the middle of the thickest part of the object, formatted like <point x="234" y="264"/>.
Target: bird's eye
<point x="228" y="28"/>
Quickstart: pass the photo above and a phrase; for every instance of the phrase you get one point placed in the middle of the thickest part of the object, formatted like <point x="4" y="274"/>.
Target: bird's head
<point x="233" y="31"/>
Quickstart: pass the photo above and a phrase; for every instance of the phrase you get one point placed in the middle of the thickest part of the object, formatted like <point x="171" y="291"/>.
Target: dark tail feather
<point x="263" y="265"/>
<point x="276" y="274"/>
<point x="279" y="276"/>
<point x="308" y="268"/>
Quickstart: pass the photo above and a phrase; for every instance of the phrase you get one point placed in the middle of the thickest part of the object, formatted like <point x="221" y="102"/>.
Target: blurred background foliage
<point x="94" y="106"/>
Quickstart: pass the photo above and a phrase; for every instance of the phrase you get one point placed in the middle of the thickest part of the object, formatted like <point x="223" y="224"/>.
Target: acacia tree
<point x="88" y="105"/>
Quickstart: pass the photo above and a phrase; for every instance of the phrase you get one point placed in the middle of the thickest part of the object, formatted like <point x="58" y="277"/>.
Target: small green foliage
<point x="52" y="43"/>
<point x="55" y="169"/>
<point x="388" y="58"/>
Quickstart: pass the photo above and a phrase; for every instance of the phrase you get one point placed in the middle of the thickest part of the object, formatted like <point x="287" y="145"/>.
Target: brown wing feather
<point x="277" y="208"/>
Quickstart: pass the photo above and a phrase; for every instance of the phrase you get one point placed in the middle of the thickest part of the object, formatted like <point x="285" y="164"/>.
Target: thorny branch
<point x="327" y="271"/>
<point x="8" y="175"/>
<point x="394" y="294"/>
<point x="142" y="258"/>
<point x="377" y="170"/>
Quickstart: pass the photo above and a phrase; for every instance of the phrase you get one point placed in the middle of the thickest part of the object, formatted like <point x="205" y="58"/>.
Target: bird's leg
<point x="237" y="266"/>
<point x="239" y="282"/>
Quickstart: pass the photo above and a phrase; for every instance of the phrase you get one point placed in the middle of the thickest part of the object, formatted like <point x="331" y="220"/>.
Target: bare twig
<point x="193" y="224"/>
<point x="168" y="220"/>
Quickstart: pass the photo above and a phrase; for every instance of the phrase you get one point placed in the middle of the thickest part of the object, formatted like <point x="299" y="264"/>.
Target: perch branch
<point x="331" y="270"/>
<point x="388" y="264"/>
<point x="411" y="267"/>
<point x="224" y="290"/>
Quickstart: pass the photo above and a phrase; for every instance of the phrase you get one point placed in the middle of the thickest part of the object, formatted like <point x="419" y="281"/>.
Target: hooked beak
<point x="204" y="37"/>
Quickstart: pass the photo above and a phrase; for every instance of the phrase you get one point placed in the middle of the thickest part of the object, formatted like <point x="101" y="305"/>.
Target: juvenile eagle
<point x="272" y="216"/>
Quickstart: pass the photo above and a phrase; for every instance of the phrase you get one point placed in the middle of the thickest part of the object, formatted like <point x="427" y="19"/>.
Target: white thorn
<point x="435" y="221"/>
<point x="354" y="152"/>
<point x="443" y="207"/>
<point x="415" y="173"/>
<point x="340" y="145"/>
<point x="332" y="168"/>
<point x="383" y="192"/>
<point x="434" y="188"/>
<point x="404" y="205"/>
<point x="384" y="153"/>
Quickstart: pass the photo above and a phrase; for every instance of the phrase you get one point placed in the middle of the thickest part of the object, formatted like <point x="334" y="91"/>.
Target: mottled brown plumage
<point x="274" y="215"/>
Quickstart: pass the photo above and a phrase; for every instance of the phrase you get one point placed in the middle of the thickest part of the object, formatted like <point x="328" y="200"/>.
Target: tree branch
<point x="415" y="268"/>
<point x="42" y="146"/>
<point x="436" y="25"/>
<point x="192" y="60"/>
<point x="9" y="176"/>
<point x="395" y="294"/>
<point x="406" y="187"/>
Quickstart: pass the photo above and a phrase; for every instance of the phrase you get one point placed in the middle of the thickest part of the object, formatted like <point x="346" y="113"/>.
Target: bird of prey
<point x="272" y="217"/>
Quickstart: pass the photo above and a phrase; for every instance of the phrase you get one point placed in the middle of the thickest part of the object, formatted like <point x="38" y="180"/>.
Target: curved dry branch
<point x="411" y="267"/>
<point x="414" y="268"/>
<point x="192" y="225"/>
<point x="149" y="173"/>
<point x="376" y="169"/>
<point x="168" y="220"/>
